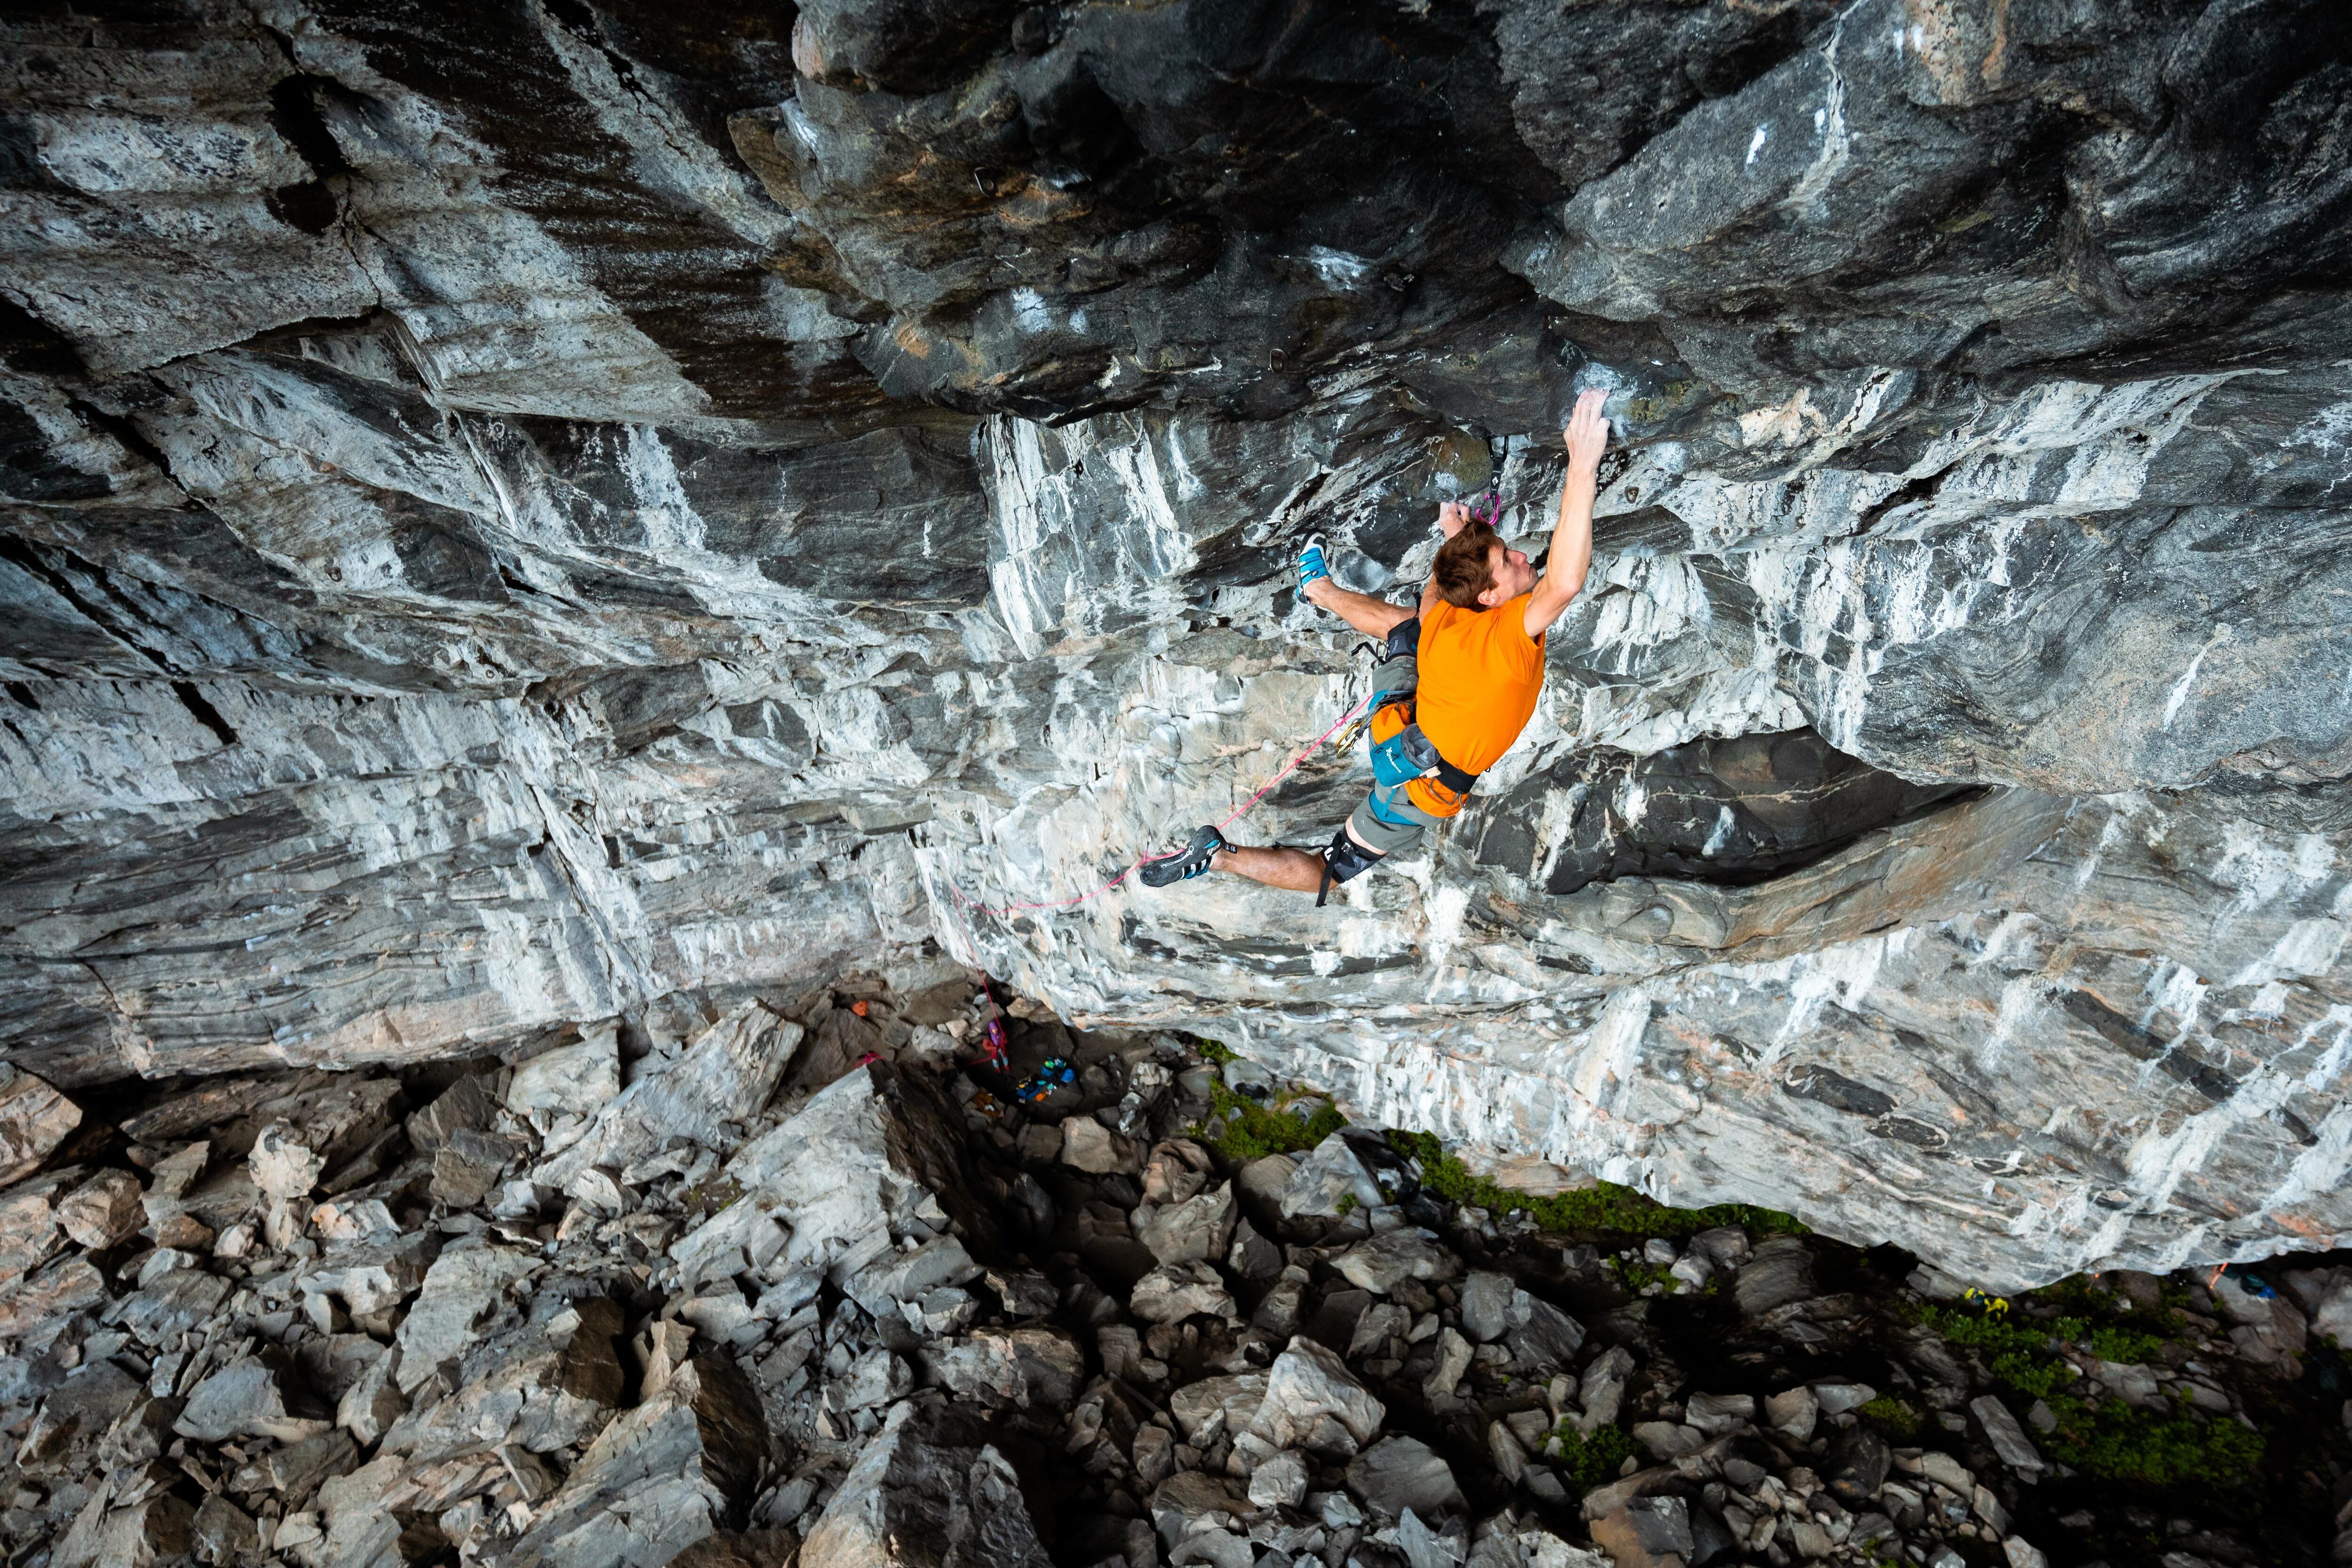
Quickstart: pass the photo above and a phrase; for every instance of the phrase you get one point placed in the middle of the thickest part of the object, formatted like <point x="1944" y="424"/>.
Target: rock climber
<point x="1456" y="683"/>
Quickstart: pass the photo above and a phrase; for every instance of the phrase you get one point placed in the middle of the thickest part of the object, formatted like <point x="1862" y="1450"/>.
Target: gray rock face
<point x="520" y="520"/>
<point x="924" y="1492"/>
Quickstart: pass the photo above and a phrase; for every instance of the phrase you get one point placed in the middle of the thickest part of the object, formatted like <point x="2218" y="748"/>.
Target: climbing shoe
<point x="1189" y="861"/>
<point x="1311" y="564"/>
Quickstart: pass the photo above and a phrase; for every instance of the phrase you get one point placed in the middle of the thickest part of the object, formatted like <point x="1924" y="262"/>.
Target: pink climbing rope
<point x="963" y="903"/>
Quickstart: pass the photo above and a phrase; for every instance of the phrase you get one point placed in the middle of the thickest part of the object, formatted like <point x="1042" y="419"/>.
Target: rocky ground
<point x="804" y="1284"/>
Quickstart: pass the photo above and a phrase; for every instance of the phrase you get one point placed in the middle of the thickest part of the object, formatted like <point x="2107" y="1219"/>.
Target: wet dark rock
<point x="1777" y="1273"/>
<point x="1857" y="1465"/>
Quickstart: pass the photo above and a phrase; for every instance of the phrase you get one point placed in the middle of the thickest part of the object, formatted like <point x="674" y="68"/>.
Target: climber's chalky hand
<point x="1587" y="430"/>
<point x="1452" y="518"/>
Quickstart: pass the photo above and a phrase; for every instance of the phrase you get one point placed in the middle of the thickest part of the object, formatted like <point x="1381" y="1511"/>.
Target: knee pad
<point x="1404" y="640"/>
<point x="1347" y="859"/>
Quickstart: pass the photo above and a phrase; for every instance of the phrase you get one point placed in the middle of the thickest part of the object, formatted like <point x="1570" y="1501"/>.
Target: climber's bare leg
<point x="1296" y="869"/>
<point x="1373" y="617"/>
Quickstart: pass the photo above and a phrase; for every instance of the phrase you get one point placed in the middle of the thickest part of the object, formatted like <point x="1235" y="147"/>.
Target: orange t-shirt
<point x="1480" y="673"/>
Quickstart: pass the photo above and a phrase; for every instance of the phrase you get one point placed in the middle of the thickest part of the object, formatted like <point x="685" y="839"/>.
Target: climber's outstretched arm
<point x="1452" y="518"/>
<point x="1571" y="537"/>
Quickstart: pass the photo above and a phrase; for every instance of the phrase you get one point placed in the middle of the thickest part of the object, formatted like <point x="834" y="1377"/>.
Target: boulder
<point x="1486" y="1303"/>
<point x="726" y="1076"/>
<point x="1399" y="1473"/>
<point x="1252" y="1256"/>
<point x="29" y="1220"/>
<point x="1279" y="1482"/>
<point x="250" y="1397"/>
<point x="1198" y="1229"/>
<point x="2008" y="1439"/>
<point x="1716" y="1414"/>
<point x="1380" y="1264"/>
<point x="1038" y="1367"/>
<point x="661" y="1477"/>
<point x="1328" y="1179"/>
<point x="1778" y="1273"/>
<point x="577" y="1080"/>
<point x="104" y="1210"/>
<point x="463" y="1286"/>
<point x="1857" y="1465"/>
<point x="470" y="1102"/>
<point x="908" y="1276"/>
<point x="1646" y="1532"/>
<point x="283" y="1163"/>
<point x="1087" y="1145"/>
<point x="1178" y="1169"/>
<point x="1192" y="1504"/>
<point x="1218" y="1405"/>
<point x="1175" y="1292"/>
<point x="34" y="1120"/>
<point x="1306" y="1383"/>
<point x="1792" y="1413"/>
<point x="1453" y="1361"/>
<point x="929" y="1488"/>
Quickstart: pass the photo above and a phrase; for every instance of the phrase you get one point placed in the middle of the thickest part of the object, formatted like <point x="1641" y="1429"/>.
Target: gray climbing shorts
<point x="1385" y="836"/>
<point x="1398" y="823"/>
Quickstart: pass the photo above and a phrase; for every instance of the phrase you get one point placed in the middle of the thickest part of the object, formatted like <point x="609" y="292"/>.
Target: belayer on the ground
<point x="1456" y="684"/>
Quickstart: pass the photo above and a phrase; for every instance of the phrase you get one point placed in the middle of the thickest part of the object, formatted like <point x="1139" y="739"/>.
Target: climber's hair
<point x="1465" y="565"/>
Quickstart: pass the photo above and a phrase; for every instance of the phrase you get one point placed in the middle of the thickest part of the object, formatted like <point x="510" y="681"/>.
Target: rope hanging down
<point x="963" y="903"/>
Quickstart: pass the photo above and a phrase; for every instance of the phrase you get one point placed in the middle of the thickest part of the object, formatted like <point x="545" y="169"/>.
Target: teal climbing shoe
<point x="1311" y="564"/>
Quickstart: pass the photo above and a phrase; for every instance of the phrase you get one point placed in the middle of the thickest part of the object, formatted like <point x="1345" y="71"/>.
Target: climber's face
<point x="1513" y="574"/>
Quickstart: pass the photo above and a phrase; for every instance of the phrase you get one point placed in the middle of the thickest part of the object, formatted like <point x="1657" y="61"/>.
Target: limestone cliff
<point x="518" y="511"/>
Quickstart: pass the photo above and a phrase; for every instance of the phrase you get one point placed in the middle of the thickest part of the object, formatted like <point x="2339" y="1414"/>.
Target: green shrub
<point x="1637" y="1274"/>
<point x="2115" y="1442"/>
<point x="2036" y="1376"/>
<point x="1593" y="1461"/>
<point x="1603" y="1208"/>
<point x="1215" y="1051"/>
<point x="2125" y="1345"/>
<point x="1892" y="1416"/>
<point x="1253" y="1131"/>
<point x="2105" y="1438"/>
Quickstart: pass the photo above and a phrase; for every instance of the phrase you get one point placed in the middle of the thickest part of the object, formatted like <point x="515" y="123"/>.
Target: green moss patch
<point x="1253" y="1131"/>
<point x="1605" y="1208"/>
<point x="1593" y="1461"/>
